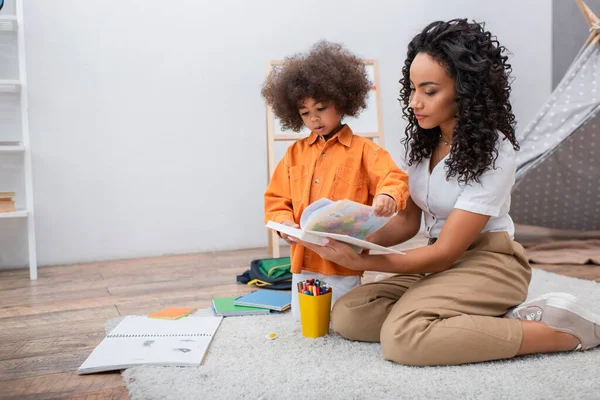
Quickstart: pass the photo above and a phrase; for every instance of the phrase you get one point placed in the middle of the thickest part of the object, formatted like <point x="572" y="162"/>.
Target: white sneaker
<point x="562" y="312"/>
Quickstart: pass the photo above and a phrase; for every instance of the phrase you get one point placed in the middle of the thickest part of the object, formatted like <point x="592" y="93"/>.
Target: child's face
<point x="320" y="117"/>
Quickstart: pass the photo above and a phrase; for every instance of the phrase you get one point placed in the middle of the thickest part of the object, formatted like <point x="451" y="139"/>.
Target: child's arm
<point x="400" y="228"/>
<point x="386" y="180"/>
<point x="278" y="198"/>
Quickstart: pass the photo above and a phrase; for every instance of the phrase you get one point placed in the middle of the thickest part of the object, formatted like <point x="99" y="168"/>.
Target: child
<point x="317" y="90"/>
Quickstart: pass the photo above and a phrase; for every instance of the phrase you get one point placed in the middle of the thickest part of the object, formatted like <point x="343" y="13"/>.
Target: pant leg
<point x="451" y="317"/>
<point x="340" y="285"/>
<point x="360" y="314"/>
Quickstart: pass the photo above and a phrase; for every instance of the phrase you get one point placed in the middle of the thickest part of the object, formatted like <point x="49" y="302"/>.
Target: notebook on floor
<point x="269" y="299"/>
<point x="223" y="306"/>
<point x="172" y="313"/>
<point x="139" y="340"/>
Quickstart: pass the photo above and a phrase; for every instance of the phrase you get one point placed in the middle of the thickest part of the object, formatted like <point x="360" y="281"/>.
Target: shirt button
<point x="316" y="181"/>
<point x="323" y="155"/>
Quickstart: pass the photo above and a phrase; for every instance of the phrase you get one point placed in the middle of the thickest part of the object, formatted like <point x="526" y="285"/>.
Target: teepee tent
<point x="558" y="167"/>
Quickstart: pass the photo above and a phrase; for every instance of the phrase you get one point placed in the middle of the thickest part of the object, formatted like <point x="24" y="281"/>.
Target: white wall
<point x="148" y="129"/>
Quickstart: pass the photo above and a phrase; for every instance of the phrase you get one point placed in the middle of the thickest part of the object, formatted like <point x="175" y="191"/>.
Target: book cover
<point x="224" y="306"/>
<point x="269" y="299"/>
<point x="172" y="313"/>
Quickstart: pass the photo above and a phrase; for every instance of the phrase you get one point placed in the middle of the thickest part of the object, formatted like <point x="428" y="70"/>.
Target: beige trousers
<point x="445" y="318"/>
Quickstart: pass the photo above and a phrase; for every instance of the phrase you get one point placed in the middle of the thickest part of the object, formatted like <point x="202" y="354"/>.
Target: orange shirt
<point x="347" y="166"/>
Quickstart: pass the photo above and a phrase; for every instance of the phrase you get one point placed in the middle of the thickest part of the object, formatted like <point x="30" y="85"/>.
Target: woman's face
<point x="432" y="92"/>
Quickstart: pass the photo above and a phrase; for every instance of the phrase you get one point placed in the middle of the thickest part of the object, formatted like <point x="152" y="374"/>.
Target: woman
<point x="446" y="303"/>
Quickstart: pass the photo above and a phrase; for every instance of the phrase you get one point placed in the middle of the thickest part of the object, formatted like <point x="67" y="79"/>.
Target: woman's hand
<point x="334" y="251"/>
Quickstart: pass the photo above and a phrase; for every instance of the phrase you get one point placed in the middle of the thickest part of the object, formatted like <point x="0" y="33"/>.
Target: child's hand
<point x="288" y="223"/>
<point x="384" y="205"/>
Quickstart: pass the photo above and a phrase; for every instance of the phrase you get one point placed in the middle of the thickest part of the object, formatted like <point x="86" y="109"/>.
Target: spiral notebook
<point x="141" y="340"/>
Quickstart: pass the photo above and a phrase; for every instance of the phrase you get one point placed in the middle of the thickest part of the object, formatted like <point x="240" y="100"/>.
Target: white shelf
<point x="12" y="149"/>
<point x="14" y="214"/>
<point x="12" y="34"/>
<point x="8" y="23"/>
<point x="10" y="85"/>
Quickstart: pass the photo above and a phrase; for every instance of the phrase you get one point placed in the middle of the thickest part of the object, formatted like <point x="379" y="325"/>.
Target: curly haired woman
<point x="457" y="300"/>
<point x="317" y="90"/>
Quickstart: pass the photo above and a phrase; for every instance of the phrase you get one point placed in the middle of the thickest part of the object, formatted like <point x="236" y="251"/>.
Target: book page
<point x="139" y="340"/>
<point x="144" y="326"/>
<point x="295" y="232"/>
<point x="348" y="218"/>
<point x="124" y="352"/>
<point x="318" y="238"/>
<point x="314" y="210"/>
<point x="358" y="244"/>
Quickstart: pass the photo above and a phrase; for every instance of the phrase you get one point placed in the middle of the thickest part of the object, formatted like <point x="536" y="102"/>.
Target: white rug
<point x="243" y="364"/>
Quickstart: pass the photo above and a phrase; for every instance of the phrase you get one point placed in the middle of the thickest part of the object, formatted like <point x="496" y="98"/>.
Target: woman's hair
<point x="479" y="67"/>
<point x="328" y="72"/>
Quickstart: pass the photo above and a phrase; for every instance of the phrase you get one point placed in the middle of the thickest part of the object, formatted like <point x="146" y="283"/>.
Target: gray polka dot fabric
<point x="558" y="167"/>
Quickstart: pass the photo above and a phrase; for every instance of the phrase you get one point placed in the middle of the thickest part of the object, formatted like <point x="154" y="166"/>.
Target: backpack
<point x="268" y="273"/>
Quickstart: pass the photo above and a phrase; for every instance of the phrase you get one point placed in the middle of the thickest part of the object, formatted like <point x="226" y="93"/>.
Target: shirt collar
<point x="344" y="136"/>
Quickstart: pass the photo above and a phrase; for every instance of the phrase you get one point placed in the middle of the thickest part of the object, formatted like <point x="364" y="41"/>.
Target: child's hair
<point x="328" y="72"/>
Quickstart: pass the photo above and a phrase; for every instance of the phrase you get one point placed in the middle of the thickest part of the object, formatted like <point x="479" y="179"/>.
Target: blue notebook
<point x="270" y="299"/>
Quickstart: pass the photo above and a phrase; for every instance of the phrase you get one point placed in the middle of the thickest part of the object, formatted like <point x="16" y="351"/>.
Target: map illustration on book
<point x="343" y="217"/>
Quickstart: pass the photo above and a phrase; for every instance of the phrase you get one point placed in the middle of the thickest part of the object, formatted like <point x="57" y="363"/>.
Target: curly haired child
<point x="317" y="90"/>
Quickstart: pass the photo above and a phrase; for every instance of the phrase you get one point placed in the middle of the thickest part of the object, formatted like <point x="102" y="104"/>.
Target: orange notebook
<point x="172" y="313"/>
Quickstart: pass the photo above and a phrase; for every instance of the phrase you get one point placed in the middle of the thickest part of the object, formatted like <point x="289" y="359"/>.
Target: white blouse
<point x="437" y="196"/>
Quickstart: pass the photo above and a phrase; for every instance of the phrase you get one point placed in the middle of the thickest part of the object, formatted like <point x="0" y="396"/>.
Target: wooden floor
<point x="49" y="327"/>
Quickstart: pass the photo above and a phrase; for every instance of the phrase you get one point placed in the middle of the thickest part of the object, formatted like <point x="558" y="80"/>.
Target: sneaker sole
<point x="573" y="306"/>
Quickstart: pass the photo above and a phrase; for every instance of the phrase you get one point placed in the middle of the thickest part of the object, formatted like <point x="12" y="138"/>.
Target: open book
<point x="146" y="341"/>
<point x="344" y="220"/>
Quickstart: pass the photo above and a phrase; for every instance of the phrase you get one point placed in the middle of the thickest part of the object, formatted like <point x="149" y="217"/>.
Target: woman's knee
<point x="341" y="318"/>
<point x="355" y="317"/>
<point x="344" y="318"/>
<point x="405" y="341"/>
